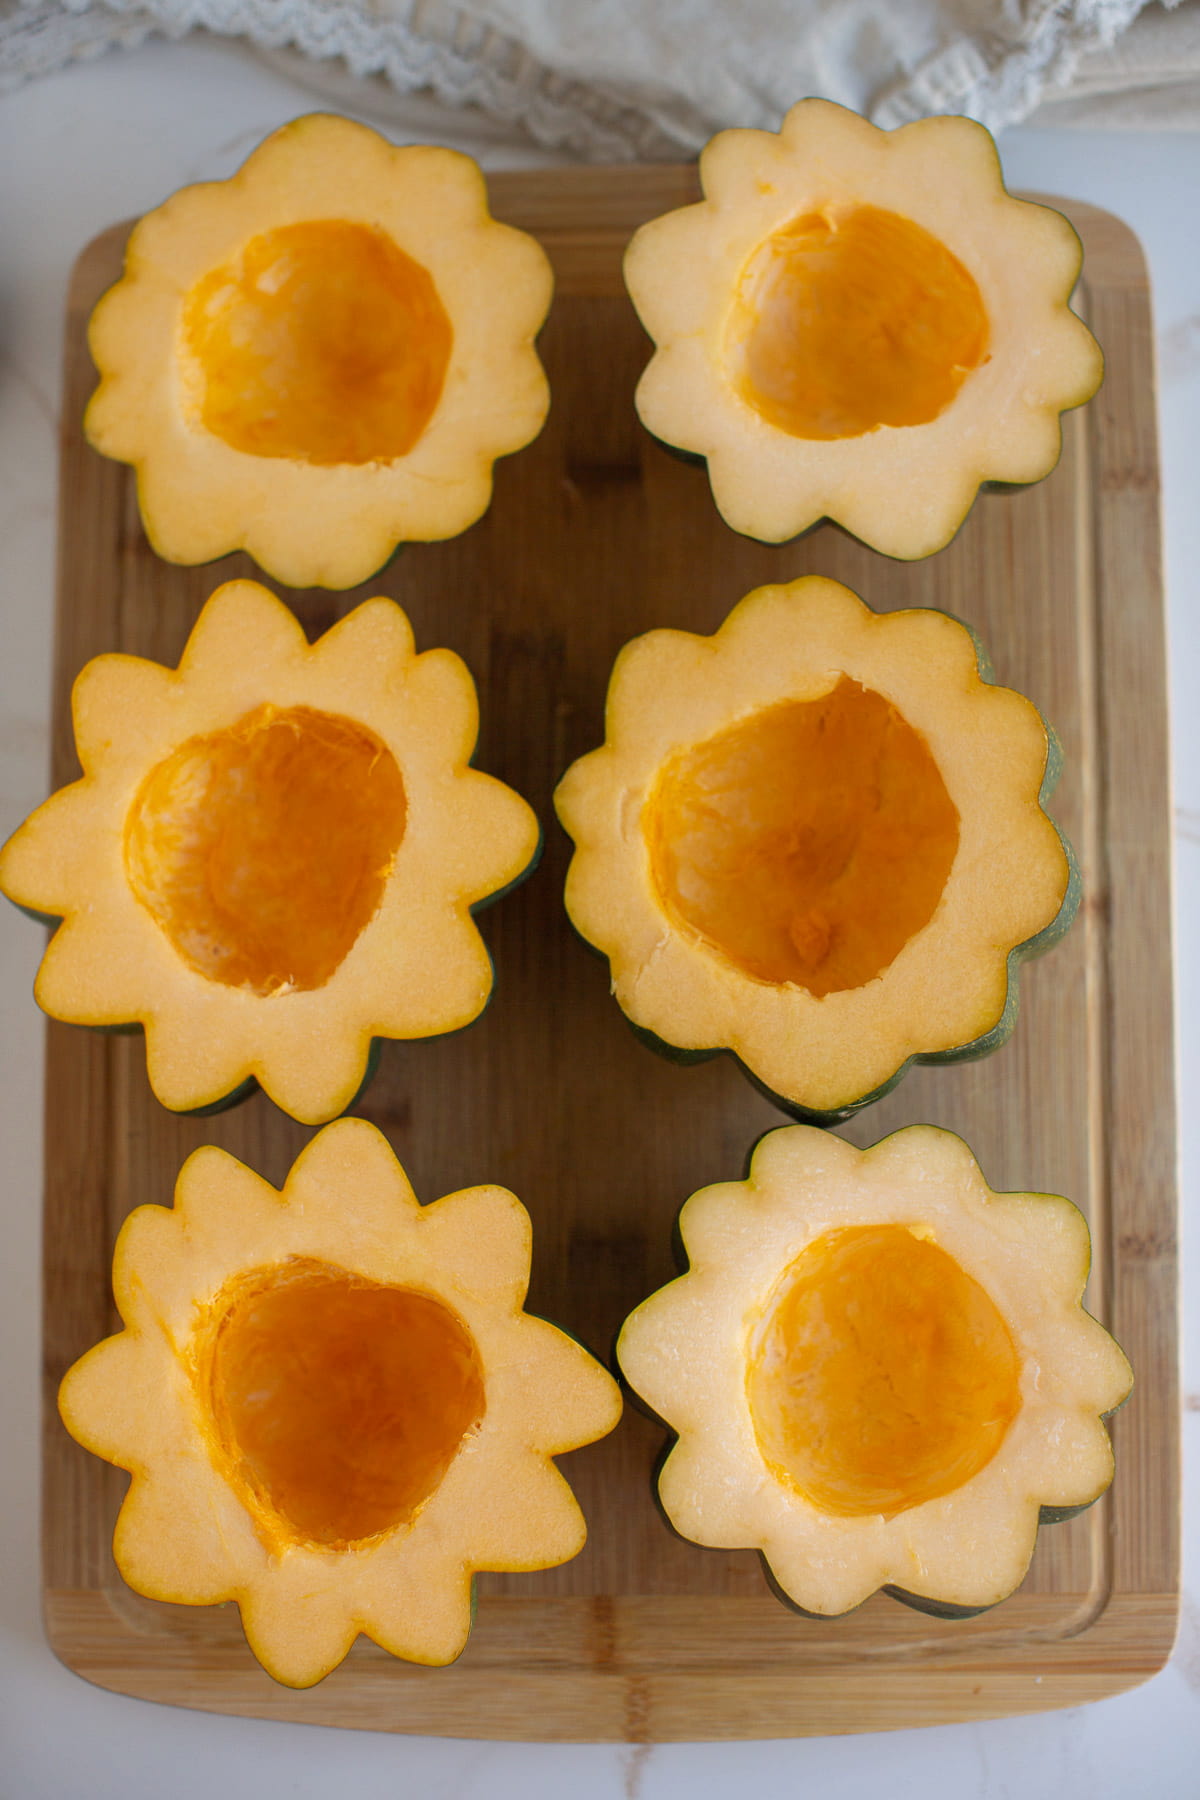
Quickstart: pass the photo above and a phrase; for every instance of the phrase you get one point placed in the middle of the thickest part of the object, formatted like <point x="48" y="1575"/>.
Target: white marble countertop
<point x="110" y="139"/>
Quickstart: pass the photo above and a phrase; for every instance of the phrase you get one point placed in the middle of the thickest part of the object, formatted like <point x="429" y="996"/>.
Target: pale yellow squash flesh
<point x="273" y="854"/>
<point x="878" y="1371"/>
<point x="322" y="357"/>
<point x="860" y="325"/>
<point x="816" y="839"/>
<point x="332" y="1404"/>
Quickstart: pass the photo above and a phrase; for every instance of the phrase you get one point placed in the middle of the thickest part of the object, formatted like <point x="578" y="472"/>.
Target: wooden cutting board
<point x="595" y="535"/>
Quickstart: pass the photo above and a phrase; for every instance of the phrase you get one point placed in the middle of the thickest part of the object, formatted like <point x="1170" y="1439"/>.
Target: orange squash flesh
<point x="807" y="843"/>
<point x="338" y="1403"/>
<point x="263" y="849"/>
<point x="850" y="318"/>
<point x="322" y="342"/>
<point x="883" y="1375"/>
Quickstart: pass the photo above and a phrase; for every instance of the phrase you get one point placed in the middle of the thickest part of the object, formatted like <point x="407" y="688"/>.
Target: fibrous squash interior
<point x="337" y="1403"/>
<point x="882" y="1375"/>
<point x="852" y="317"/>
<point x="808" y="842"/>
<point x="322" y="341"/>
<point x="262" y="850"/>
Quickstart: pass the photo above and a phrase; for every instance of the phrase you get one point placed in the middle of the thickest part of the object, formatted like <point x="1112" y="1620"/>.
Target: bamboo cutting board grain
<point x="595" y="535"/>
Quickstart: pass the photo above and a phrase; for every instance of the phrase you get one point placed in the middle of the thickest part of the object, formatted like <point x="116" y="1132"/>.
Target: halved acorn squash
<point x="817" y="839"/>
<point x="322" y="357"/>
<point x="861" y="325"/>
<point x="880" y="1372"/>
<point x="273" y="853"/>
<point x="332" y="1405"/>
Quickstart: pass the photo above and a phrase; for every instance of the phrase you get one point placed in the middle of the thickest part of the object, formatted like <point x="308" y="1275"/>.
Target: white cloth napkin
<point x="648" y="78"/>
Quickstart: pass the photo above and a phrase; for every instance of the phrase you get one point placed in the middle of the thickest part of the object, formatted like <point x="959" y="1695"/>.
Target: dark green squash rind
<point x="938" y="1609"/>
<point x="696" y="459"/>
<point x="499" y="893"/>
<point x="50" y="920"/>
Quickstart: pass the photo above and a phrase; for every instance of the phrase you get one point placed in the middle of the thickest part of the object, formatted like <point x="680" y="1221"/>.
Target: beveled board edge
<point x="1130" y="1637"/>
<point x="589" y="1705"/>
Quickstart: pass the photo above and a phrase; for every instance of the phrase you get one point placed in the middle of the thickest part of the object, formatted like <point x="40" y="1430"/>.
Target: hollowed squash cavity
<point x="852" y="317"/>
<point x="338" y="1403"/>
<point x="322" y="357"/>
<point x="273" y="857"/>
<point x="859" y="325"/>
<point x="878" y="1370"/>
<point x="807" y="843"/>
<point x="321" y="341"/>
<point x="882" y="1375"/>
<point x="333" y="1405"/>
<point x="262" y="850"/>
<point x="816" y="839"/>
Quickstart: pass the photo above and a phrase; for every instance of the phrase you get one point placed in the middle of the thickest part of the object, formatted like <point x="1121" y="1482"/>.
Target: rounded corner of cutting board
<point x="73" y="1623"/>
<point x="96" y="267"/>
<point x="1113" y="254"/>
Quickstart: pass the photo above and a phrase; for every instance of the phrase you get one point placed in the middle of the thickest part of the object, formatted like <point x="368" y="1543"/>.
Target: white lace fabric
<point x="640" y="79"/>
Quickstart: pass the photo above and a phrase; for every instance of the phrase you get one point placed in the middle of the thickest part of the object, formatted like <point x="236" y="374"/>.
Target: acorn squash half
<point x="861" y="325"/>
<point x="273" y="854"/>
<point x="817" y="839"/>
<point x="880" y="1372"/>
<point x="321" y="357"/>
<point x="332" y="1405"/>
